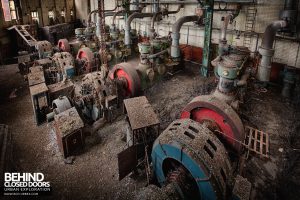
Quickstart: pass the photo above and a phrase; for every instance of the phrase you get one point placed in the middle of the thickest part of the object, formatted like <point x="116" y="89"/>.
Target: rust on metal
<point x="61" y="89"/>
<point x="202" y="146"/>
<point x="140" y="113"/>
<point x="257" y="141"/>
<point x="68" y="122"/>
<point x="127" y="161"/>
<point x="43" y="62"/>
<point x="36" y="78"/>
<point x="36" y="69"/>
<point x="242" y="188"/>
<point x="38" y="89"/>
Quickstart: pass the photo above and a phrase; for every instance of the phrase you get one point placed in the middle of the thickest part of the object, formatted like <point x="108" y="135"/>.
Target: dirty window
<point x="51" y="14"/>
<point x="12" y="9"/>
<point x="35" y="16"/>
<point x="6" y="10"/>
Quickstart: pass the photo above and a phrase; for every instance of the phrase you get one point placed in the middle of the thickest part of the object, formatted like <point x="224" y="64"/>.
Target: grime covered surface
<point x="94" y="173"/>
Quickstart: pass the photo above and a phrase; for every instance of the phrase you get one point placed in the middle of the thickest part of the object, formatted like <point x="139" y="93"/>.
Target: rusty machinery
<point x="142" y="130"/>
<point x="152" y="67"/>
<point x="190" y="162"/>
<point x="96" y="98"/>
<point x="195" y="157"/>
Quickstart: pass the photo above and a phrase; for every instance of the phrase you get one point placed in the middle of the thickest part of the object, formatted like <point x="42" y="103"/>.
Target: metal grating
<point x="257" y="141"/>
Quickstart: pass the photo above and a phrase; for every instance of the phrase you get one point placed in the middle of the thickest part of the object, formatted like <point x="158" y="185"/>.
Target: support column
<point x="209" y="7"/>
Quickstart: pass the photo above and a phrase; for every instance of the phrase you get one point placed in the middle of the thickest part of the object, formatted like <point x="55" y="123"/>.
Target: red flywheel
<point x="219" y="116"/>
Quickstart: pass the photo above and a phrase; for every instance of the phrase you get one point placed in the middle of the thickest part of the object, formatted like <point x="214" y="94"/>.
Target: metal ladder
<point x="26" y="36"/>
<point x="250" y="23"/>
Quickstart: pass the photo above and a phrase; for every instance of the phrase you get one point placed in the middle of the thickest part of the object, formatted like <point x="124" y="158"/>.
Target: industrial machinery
<point x="96" y="98"/>
<point x="142" y="130"/>
<point x="62" y="67"/>
<point x="68" y="128"/>
<point x="188" y="155"/>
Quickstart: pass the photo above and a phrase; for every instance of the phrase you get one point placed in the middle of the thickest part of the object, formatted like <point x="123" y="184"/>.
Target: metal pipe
<point x="244" y="78"/>
<point x="134" y="5"/>
<point x="267" y="51"/>
<point x="196" y="1"/>
<point x="89" y="18"/>
<point x="172" y="2"/>
<point x="120" y="12"/>
<point x="226" y="21"/>
<point x="128" y="22"/>
<point x="157" y="54"/>
<point x="289" y="4"/>
<point x="163" y="13"/>
<point x="270" y="33"/>
<point x="175" y="50"/>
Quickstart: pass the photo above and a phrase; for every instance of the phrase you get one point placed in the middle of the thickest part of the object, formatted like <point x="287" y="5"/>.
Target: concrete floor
<point x="94" y="174"/>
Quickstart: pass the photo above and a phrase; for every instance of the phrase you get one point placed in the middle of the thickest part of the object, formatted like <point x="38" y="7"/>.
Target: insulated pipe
<point x="175" y="50"/>
<point x="128" y="22"/>
<point x="267" y="51"/>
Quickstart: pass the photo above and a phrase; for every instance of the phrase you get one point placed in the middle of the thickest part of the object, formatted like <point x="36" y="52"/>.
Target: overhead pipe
<point x="121" y="12"/>
<point x="157" y="14"/>
<point x="89" y="18"/>
<point x="175" y="50"/>
<point x="128" y="24"/>
<point x="266" y="49"/>
<point x="195" y="1"/>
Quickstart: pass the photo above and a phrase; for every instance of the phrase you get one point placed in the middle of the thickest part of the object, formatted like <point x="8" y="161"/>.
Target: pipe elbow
<point x="178" y="24"/>
<point x="270" y="33"/>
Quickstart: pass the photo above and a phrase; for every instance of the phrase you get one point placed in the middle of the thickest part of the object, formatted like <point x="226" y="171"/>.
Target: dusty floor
<point x="93" y="175"/>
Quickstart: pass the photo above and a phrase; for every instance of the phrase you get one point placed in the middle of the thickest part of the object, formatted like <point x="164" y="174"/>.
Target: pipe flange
<point x="266" y="52"/>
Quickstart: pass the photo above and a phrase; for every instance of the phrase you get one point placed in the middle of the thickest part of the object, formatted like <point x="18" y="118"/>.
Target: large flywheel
<point x="218" y="116"/>
<point x="63" y="45"/>
<point x="126" y="73"/>
<point x="86" y="58"/>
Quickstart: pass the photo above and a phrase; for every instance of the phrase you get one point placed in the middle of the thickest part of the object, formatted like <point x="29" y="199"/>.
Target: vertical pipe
<point x="207" y="37"/>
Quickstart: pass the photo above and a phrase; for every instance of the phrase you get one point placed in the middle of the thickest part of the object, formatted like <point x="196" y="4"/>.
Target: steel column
<point x="209" y="6"/>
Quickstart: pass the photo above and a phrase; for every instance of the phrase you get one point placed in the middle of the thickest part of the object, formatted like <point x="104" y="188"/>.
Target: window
<point x="12" y="9"/>
<point x="9" y="10"/>
<point x="51" y="14"/>
<point x="35" y="16"/>
<point x="63" y="13"/>
<point x="72" y="14"/>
